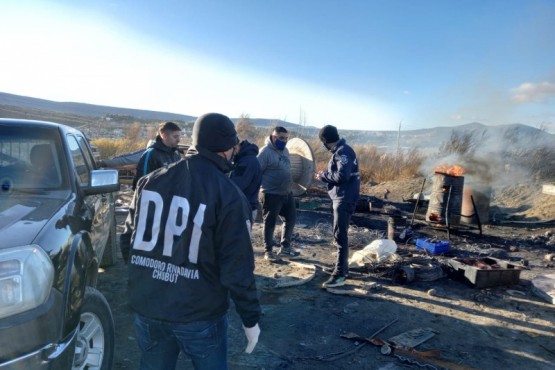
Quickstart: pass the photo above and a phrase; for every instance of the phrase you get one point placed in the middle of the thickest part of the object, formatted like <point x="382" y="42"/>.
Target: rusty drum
<point x="481" y="193"/>
<point x="446" y="199"/>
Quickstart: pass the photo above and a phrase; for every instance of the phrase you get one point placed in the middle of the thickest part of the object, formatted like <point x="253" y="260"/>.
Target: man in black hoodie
<point x="190" y="253"/>
<point x="161" y="153"/>
<point x="247" y="174"/>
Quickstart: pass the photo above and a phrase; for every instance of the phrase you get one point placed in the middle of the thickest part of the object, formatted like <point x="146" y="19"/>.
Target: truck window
<point x="86" y="150"/>
<point x="29" y="159"/>
<point x="83" y="166"/>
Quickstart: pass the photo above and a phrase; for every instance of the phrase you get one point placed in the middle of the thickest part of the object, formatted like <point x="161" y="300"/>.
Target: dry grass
<point x="539" y="162"/>
<point x="463" y="144"/>
<point x="379" y="166"/>
<point x="109" y="148"/>
<point x="132" y="141"/>
<point x="374" y="166"/>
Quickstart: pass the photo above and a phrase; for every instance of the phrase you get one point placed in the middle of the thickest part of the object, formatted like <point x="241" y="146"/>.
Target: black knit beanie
<point x="328" y="134"/>
<point x="215" y="132"/>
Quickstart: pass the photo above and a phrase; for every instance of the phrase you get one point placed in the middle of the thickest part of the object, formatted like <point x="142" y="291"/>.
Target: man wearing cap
<point x="276" y="193"/>
<point x="343" y="182"/>
<point x="191" y="251"/>
<point x="161" y="152"/>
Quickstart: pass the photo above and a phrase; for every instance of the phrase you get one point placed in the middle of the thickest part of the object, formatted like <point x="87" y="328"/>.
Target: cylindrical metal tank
<point x="481" y="193"/>
<point x="395" y="227"/>
<point x="446" y="198"/>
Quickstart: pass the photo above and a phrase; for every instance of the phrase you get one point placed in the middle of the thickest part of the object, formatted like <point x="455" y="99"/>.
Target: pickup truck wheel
<point x="94" y="349"/>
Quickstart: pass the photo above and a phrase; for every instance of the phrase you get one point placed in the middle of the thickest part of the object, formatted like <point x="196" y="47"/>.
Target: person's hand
<point x="318" y="175"/>
<point x="252" y="337"/>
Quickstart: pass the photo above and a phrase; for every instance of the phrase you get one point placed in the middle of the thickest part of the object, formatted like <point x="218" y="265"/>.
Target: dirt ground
<point x="506" y="327"/>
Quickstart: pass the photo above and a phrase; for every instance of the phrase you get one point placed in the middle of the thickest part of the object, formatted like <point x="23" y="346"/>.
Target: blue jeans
<point x="342" y="213"/>
<point x="205" y="342"/>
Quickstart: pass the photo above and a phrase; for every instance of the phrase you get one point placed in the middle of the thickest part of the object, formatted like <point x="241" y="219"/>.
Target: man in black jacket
<point x="161" y="153"/>
<point x="343" y="181"/>
<point x="190" y="252"/>
<point x="247" y="174"/>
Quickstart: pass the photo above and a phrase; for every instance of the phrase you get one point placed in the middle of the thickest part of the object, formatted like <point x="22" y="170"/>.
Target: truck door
<point x="99" y="204"/>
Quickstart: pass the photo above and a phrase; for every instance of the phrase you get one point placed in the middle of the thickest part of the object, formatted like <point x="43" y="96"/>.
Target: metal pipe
<point x="417" y="200"/>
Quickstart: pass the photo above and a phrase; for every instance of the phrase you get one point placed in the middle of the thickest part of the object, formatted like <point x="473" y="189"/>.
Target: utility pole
<point x="302" y="121"/>
<point x="399" y="139"/>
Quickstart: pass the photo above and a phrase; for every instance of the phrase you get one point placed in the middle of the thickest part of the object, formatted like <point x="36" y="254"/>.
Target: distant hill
<point x="82" y="109"/>
<point x="78" y="114"/>
<point x="87" y="115"/>
<point x="490" y="137"/>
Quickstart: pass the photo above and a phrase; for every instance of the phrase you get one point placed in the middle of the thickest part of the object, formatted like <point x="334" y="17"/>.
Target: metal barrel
<point x="446" y="198"/>
<point x="481" y="193"/>
<point x="395" y="226"/>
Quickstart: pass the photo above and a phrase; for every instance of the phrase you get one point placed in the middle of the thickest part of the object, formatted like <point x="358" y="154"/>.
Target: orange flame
<point x="454" y="170"/>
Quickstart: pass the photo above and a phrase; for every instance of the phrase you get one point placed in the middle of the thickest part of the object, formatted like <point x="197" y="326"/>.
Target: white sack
<point x="377" y="251"/>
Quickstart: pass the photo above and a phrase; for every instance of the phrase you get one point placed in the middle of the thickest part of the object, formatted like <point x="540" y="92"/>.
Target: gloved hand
<point x="252" y="336"/>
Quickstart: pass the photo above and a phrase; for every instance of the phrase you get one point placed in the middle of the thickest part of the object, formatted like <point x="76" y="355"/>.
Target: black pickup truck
<point x="57" y="221"/>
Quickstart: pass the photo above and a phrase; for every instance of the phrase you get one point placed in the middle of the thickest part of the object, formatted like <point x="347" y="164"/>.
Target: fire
<point x="454" y="170"/>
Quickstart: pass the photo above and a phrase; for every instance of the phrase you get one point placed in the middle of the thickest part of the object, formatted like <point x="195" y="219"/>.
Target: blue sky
<point x="357" y="64"/>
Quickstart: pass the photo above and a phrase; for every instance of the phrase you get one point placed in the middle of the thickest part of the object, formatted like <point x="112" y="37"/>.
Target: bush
<point x="374" y="166"/>
<point x="463" y="144"/>
<point x="109" y="148"/>
<point x="378" y="167"/>
<point x="538" y="162"/>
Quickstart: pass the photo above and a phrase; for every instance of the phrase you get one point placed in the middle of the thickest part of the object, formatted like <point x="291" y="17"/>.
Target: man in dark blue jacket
<point x="190" y="253"/>
<point x="247" y="174"/>
<point x="343" y="180"/>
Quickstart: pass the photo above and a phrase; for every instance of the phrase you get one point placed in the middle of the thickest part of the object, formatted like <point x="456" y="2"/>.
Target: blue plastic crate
<point x="437" y="247"/>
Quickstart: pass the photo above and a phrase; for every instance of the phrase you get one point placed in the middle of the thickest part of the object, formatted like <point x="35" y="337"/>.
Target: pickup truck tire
<point x="111" y="249"/>
<point x="96" y="337"/>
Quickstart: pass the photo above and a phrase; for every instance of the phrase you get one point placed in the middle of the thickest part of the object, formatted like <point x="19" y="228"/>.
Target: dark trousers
<point x="342" y="213"/>
<point x="274" y="205"/>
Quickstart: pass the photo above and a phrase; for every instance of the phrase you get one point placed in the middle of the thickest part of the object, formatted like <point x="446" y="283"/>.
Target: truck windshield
<point x="30" y="160"/>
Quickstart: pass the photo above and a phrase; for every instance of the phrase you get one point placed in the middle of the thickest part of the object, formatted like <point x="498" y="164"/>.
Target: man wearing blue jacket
<point x="343" y="181"/>
<point x="190" y="253"/>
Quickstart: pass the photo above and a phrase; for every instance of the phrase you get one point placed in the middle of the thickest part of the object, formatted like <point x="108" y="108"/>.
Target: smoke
<point x="497" y="159"/>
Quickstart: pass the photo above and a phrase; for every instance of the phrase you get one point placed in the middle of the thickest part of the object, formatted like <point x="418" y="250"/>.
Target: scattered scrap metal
<point x="403" y="346"/>
<point x="301" y="274"/>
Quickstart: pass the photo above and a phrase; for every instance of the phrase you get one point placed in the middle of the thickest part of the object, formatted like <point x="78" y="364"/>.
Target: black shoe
<point x="270" y="256"/>
<point x="288" y="252"/>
